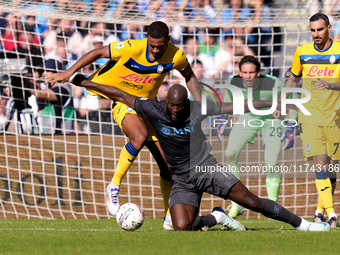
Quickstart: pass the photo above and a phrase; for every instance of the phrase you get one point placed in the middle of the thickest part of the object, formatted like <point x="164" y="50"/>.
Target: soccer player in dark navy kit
<point x="177" y="122"/>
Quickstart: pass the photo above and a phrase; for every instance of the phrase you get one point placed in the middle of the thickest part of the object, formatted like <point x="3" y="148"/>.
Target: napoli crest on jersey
<point x="160" y="69"/>
<point x="165" y="130"/>
<point x="129" y="109"/>
<point x="308" y="147"/>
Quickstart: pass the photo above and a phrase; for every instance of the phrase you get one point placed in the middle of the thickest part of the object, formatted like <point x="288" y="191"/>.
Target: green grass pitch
<point x="105" y="237"/>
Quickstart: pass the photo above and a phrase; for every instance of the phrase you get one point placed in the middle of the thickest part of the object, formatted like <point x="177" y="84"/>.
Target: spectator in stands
<point x="103" y="9"/>
<point x="3" y="102"/>
<point x="191" y="50"/>
<point x="12" y="31"/>
<point x="102" y="121"/>
<point x="30" y="24"/>
<point x="132" y="31"/>
<point x="3" y="22"/>
<point x="156" y="9"/>
<point x="19" y="95"/>
<point x="142" y="5"/>
<point x="94" y="115"/>
<point x="64" y="6"/>
<point x="47" y="7"/>
<point x="209" y="44"/>
<point x="98" y="30"/>
<point x="59" y="53"/>
<point x="169" y="12"/>
<point x="225" y="56"/>
<point x="261" y="35"/>
<point x="235" y="13"/>
<point x="200" y="72"/>
<point x="163" y="91"/>
<point x="29" y="46"/>
<point x="56" y="103"/>
<point x="207" y="50"/>
<point x="29" y="37"/>
<point x="66" y="31"/>
<point x="128" y="9"/>
<point x="199" y="11"/>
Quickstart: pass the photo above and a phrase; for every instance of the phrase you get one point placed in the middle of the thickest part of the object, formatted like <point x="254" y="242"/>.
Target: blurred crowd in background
<point x="50" y="43"/>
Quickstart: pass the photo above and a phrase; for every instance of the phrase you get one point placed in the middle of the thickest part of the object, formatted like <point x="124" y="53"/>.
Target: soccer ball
<point x="130" y="217"/>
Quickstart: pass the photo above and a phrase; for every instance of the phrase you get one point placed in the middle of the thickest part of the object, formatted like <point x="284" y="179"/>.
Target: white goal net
<point x="63" y="173"/>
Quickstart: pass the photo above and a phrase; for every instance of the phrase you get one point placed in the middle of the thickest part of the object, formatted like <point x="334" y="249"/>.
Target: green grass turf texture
<point x="105" y="237"/>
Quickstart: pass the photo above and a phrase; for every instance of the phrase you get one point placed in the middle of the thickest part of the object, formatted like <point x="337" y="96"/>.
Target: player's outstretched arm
<point x="88" y="58"/>
<point x="192" y="83"/>
<point x="109" y="91"/>
<point x="227" y="108"/>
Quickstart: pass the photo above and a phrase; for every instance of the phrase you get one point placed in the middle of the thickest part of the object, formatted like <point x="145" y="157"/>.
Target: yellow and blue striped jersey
<point x="130" y="69"/>
<point x="312" y="64"/>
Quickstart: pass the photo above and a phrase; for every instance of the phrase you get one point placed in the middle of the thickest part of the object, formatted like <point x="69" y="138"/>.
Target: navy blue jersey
<point x="184" y="144"/>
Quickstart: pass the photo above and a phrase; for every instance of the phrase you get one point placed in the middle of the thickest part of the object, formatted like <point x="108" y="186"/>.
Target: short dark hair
<point x="252" y="60"/>
<point x="157" y="30"/>
<point x="318" y="16"/>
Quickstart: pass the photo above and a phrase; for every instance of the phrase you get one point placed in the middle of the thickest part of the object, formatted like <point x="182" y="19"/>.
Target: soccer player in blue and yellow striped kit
<point x="318" y="64"/>
<point x="137" y="67"/>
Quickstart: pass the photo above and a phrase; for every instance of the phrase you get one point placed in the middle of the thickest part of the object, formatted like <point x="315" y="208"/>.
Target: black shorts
<point x="188" y="187"/>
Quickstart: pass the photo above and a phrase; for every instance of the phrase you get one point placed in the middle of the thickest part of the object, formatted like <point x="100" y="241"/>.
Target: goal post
<point x="48" y="176"/>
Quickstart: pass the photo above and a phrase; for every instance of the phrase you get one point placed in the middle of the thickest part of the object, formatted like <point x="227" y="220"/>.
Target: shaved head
<point x="177" y="102"/>
<point x="178" y="92"/>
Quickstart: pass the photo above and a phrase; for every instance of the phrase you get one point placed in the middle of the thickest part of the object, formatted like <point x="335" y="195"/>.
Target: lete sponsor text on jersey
<point x="315" y="71"/>
<point x="138" y="79"/>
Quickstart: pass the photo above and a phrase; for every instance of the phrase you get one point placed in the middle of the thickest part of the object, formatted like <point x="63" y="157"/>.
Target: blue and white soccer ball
<point x="130" y="217"/>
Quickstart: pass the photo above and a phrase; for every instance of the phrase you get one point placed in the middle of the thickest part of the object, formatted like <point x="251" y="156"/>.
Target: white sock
<point x="317" y="212"/>
<point x="331" y="215"/>
<point x="167" y="218"/>
<point x="303" y="226"/>
<point x="218" y="216"/>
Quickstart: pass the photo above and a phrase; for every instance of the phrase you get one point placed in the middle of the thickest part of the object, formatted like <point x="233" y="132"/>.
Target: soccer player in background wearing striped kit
<point x="318" y="64"/>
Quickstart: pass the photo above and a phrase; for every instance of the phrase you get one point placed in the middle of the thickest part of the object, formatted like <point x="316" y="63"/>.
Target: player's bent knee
<point x="138" y="140"/>
<point x="181" y="225"/>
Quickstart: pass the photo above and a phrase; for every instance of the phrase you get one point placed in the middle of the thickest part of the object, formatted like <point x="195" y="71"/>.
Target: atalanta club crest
<point x="160" y="69"/>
